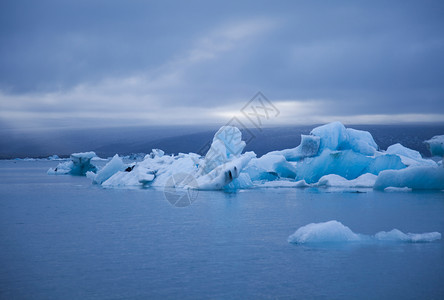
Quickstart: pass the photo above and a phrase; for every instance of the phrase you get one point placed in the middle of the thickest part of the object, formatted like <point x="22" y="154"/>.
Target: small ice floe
<point x="335" y="232"/>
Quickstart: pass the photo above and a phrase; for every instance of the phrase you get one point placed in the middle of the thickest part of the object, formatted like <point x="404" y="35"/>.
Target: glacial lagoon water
<point x="64" y="238"/>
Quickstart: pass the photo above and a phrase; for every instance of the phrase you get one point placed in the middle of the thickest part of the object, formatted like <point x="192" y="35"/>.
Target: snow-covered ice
<point x="364" y="181"/>
<point x="335" y="232"/>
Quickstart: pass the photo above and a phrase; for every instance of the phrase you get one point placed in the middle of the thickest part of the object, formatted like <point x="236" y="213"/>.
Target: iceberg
<point x="220" y="168"/>
<point x="79" y="164"/>
<point x="417" y="178"/>
<point x="436" y="145"/>
<point x="330" y="156"/>
<point x="396" y="235"/>
<point x="335" y="232"/>
<point x="327" y="232"/>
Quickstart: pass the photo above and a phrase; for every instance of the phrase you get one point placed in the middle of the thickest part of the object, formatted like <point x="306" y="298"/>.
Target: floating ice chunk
<point x="327" y="232"/>
<point x="332" y="135"/>
<point x="62" y="168"/>
<point x="79" y="164"/>
<point x="309" y="147"/>
<point x="282" y="184"/>
<point x="113" y="166"/>
<point x="409" y="157"/>
<point x="336" y="232"/>
<point x="332" y="180"/>
<point x="347" y="163"/>
<point x="270" y="166"/>
<point x="396" y="235"/>
<point x="424" y="178"/>
<point x="436" y="145"/>
<point x="224" y="174"/>
<point x="360" y="141"/>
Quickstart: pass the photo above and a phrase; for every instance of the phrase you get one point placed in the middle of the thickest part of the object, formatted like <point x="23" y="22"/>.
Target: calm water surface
<point x="64" y="238"/>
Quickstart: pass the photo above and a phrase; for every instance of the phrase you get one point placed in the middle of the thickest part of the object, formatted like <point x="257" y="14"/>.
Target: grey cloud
<point x="361" y="57"/>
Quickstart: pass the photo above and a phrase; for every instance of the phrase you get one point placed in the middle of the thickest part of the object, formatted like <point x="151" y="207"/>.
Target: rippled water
<point x="64" y="238"/>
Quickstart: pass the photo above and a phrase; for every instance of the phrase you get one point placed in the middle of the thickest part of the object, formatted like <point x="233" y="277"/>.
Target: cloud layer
<point x="106" y="63"/>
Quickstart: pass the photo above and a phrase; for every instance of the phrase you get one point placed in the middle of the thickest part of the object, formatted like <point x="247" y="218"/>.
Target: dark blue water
<point x="63" y="238"/>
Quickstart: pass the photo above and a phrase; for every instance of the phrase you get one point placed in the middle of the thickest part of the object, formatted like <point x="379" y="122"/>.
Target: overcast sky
<point x="110" y="63"/>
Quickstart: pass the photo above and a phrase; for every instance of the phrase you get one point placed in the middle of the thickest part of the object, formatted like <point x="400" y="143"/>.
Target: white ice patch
<point x="112" y="167"/>
<point x="409" y="157"/>
<point x="335" y="232"/>
<point x="332" y="180"/>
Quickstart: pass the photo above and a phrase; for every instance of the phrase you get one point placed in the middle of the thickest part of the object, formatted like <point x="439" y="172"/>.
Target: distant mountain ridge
<point x="174" y="139"/>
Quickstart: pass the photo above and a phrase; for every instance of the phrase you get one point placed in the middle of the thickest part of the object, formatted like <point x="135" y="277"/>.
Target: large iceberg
<point x="330" y="156"/>
<point x="335" y="232"/>
<point x="79" y="164"/>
